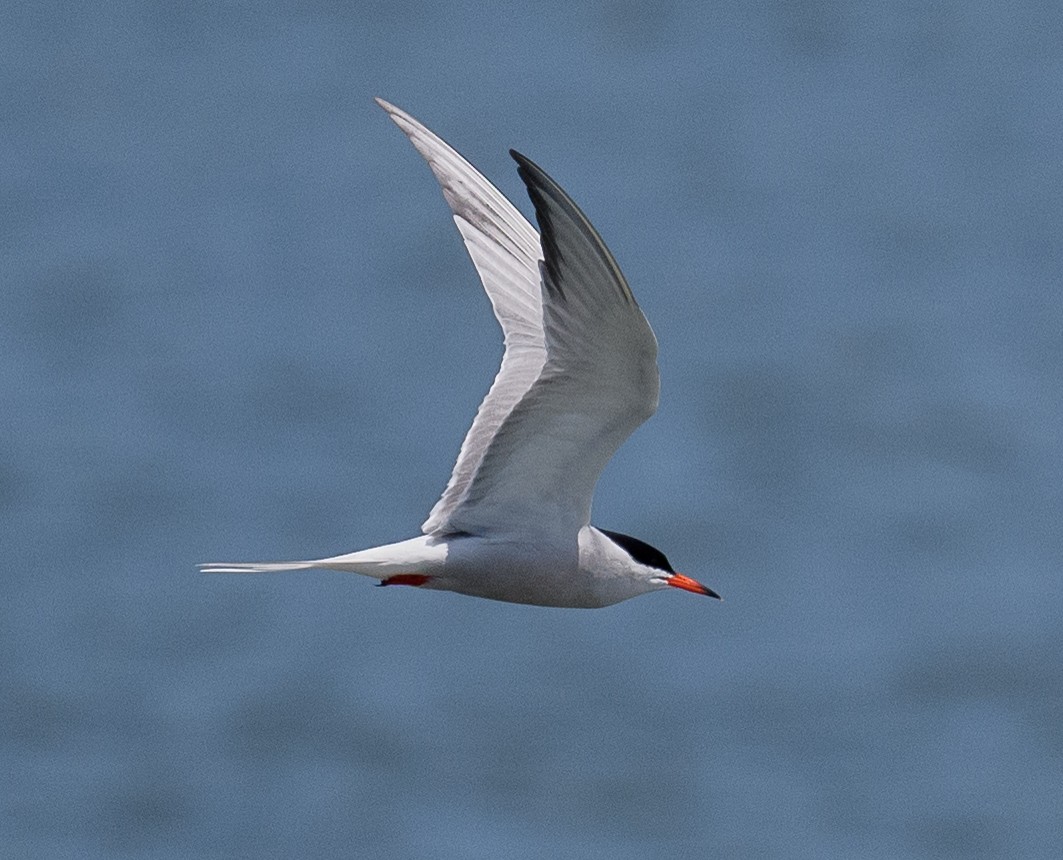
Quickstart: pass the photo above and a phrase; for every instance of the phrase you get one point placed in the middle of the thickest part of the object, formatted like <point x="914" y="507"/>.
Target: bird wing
<point x="599" y="382"/>
<point x="506" y="252"/>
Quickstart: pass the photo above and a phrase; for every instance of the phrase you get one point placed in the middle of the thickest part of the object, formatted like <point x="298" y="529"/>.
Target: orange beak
<point x="677" y="580"/>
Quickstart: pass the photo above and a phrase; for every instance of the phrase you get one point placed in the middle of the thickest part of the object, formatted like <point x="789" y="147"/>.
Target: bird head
<point x="655" y="567"/>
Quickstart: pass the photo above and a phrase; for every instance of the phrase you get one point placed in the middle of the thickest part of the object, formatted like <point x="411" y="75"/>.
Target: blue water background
<point x="237" y="323"/>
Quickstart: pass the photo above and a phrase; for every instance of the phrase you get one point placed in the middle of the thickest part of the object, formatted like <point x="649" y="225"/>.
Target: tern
<point x="578" y="375"/>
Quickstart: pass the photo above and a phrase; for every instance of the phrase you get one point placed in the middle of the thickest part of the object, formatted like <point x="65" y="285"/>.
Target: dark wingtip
<point x="526" y="167"/>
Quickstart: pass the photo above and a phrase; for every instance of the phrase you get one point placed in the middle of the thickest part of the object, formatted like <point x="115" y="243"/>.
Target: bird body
<point x="578" y="375"/>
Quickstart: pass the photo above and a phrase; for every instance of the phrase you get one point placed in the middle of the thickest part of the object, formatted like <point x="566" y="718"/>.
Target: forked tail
<point x="254" y="566"/>
<point x="419" y="555"/>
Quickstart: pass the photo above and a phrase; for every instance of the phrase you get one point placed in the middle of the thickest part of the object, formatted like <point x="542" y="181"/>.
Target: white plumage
<point x="578" y="375"/>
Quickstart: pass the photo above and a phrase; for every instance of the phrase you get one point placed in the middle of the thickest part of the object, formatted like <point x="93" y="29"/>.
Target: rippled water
<point x="239" y="324"/>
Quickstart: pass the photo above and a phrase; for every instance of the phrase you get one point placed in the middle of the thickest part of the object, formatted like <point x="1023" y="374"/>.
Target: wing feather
<point x="598" y="384"/>
<point x="579" y="372"/>
<point x="505" y="250"/>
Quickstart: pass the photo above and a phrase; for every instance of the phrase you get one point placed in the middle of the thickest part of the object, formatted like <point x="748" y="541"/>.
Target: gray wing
<point x="506" y="252"/>
<point x="598" y="384"/>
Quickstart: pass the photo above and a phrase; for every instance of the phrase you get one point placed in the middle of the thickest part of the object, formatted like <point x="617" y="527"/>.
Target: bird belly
<point x="513" y="572"/>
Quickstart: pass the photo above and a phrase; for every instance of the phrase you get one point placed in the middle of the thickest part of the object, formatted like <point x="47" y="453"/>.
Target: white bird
<point x="578" y="375"/>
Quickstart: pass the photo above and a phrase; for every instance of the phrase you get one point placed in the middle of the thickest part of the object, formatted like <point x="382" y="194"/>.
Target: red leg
<point x="406" y="579"/>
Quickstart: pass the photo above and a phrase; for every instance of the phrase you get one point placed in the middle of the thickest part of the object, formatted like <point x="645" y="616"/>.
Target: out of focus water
<point x="238" y="323"/>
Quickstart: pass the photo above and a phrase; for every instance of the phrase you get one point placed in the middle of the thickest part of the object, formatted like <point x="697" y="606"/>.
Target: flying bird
<point x="578" y="375"/>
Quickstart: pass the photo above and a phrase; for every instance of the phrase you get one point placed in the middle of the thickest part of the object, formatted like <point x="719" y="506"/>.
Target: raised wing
<point x="506" y="252"/>
<point x="599" y="383"/>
